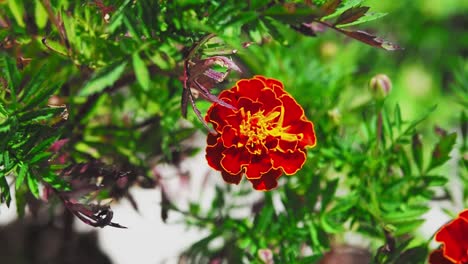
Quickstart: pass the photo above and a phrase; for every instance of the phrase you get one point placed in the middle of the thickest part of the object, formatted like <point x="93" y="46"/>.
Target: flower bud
<point x="380" y="86"/>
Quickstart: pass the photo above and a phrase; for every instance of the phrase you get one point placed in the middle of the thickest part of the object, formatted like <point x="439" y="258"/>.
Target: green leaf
<point x="273" y="29"/>
<point x="264" y="218"/>
<point x="441" y="151"/>
<point x="434" y="180"/>
<point x="104" y="78"/>
<point x="397" y="117"/>
<point x="55" y="181"/>
<point x="21" y="174"/>
<point x="366" y="18"/>
<point x="33" y="185"/>
<point x="17" y="9"/>
<point x="409" y="214"/>
<point x="20" y="200"/>
<point x="40" y="13"/>
<point x="141" y="71"/>
<point x="297" y="16"/>
<point x="11" y="74"/>
<point x="329" y="193"/>
<point x="41" y="96"/>
<point x="417" y="151"/>
<point x="40" y="115"/>
<point x="5" y="195"/>
<point x="43" y="145"/>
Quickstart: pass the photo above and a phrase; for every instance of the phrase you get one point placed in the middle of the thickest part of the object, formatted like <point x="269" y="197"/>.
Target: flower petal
<point x="233" y="160"/>
<point x="259" y="164"/>
<point x="229" y="137"/>
<point x="250" y="88"/>
<point x="213" y="151"/>
<point x="437" y="257"/>
<point x="231" y="178"/>
<point x="453" y="236"/>
<point x="290" y="162"/>
<point x="267" y="181"/>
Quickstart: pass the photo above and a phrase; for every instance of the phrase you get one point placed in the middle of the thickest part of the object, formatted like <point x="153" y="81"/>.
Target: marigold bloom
<point x="454" y="237"/>
<point x="263" y="137"/>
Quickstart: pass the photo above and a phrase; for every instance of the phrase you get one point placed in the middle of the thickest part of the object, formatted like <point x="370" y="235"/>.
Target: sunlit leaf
<point x="103" y="79"/>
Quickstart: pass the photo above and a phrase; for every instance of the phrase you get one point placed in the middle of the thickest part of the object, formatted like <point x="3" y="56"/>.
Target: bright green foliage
<point x="108" y="77"/>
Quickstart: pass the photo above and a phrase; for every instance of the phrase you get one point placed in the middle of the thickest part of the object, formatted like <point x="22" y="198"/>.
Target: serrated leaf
<point x="351" y="15"/>
<point x="41" y="97"/>
<point x="364" y="19"/>
<point x="39" y="115"/>
<point x="104" y="78"/>
<point x="434" y="180"/>
<point x="43" y="145"/>
<point x="55" y="46"/>
<point x="298" y="16"/>
<point x="370" y="39"/>
<point x="405" y="216"/>
<point x="17" y="9"/>
<point x="397" y="117"/>
<point x="40" y="157"/>
<point x="34" y="85"/>
<point x="21" y="174"/>
<point x="33" y="185"/>
<point x="10" y="73"/>
<point x="417" y="151"/>
<point x="55" y="181"/>
<point x="5" y="195"/>
<point x="141" y="71"/>
<point x="441" y="151"/>
<point x="20" y="200"/>
<point x="40" y="14"/>
<point x="273" y="30"/>
<point x="329" y="193"/>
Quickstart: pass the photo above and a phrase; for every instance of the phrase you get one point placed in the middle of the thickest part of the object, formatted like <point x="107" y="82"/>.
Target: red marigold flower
<point x="263" y="137"/>
<point x="454" y="237"/>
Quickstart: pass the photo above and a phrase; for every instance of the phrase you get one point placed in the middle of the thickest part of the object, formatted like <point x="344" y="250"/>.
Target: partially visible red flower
<point x="454" y="237"/>
<point x="264" y="136"/>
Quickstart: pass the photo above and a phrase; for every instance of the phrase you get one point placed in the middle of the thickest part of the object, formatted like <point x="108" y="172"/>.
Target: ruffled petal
<point x="233" y="160"/>
<point x="229" y="137"/>
<point x="259" y="164"/>
<point x="214" y="151"/>
<point x="455" y="240"/>
<point x="231" y="178"/>
<point x="290" y="162"/>
<point x="293" y="112"/>
<point x="437" y="257"/>
<point x="250" y="88"/>
<point x="267" y="181"/>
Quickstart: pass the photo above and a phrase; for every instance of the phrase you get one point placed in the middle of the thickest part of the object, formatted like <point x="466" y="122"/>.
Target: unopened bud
<point x="380" y="86"/>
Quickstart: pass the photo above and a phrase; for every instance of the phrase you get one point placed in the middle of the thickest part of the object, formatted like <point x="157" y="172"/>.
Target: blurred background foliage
<point x="106" y="78"/>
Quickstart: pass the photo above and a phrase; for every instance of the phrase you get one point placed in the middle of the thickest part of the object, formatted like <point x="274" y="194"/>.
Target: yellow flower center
<point x="258" y="126"/>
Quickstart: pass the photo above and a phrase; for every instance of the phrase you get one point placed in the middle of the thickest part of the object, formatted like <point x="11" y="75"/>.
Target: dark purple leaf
<point x="370" y="39"/>
<point x="352" y="15"/>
